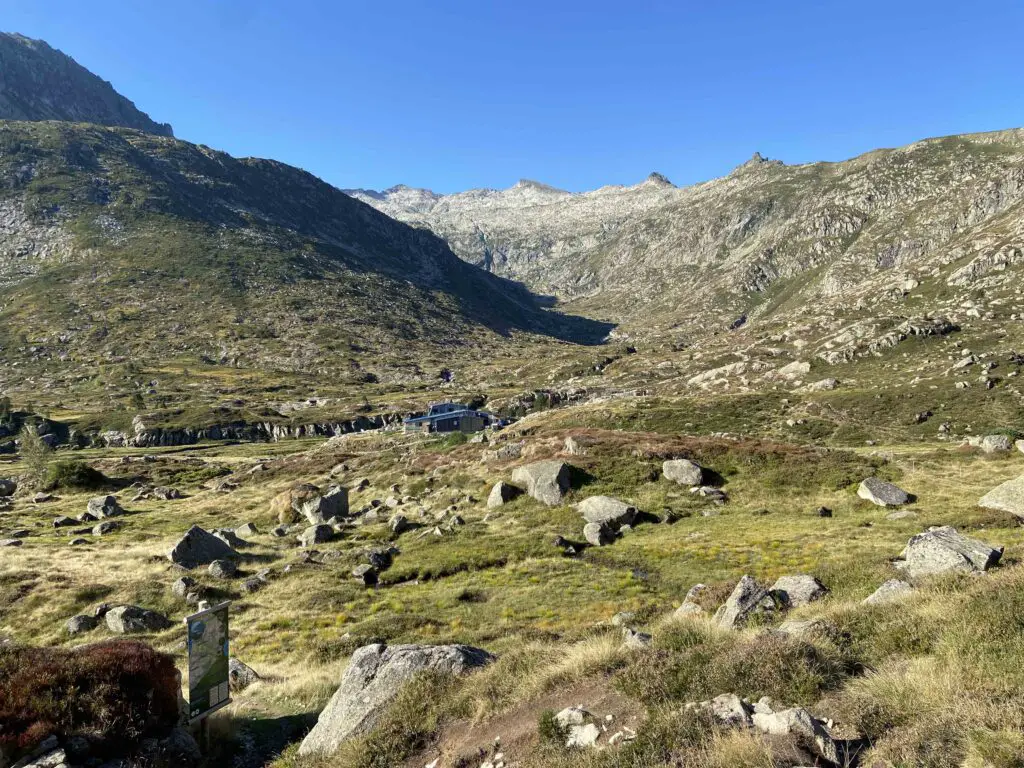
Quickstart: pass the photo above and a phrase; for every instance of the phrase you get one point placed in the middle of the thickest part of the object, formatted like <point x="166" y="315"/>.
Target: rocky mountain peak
<point x="38" y="82"/>
<point x="658" y="179"/>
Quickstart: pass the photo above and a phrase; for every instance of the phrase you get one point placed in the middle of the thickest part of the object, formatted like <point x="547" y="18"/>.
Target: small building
<point x="449" y="417"/>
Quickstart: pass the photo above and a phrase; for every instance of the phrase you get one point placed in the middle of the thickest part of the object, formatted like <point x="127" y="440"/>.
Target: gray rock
<point x="502" y="493"/>
<point x="316" y="534"/>
<point x="635" y="640"/>
<point x="325" y="508"/>
<point x="606" y="510"/>
<point x="577" y="445"/>
<point x="996" y="443"/>
<point x="729" y="709"/>
<point x="247" y="529"/>
<point x="63" y="522"/>
<point x="230" y="538"/>
<point x="893" y="589"/>
<point x="804" y="629"/>
<point x="104" y="506"/>
<point x="747" y="600"/>
<point x="7" y="487"/>
<point x="623" y="618"/>
<point x="127" y="619"/>
<point x="375" y="675"/>
<point x="77" y="542"/>
<point x="78" y="624"/>
<point x="166" y="494"/>
<point x="240" y="676"/>
<point x="546" y="481"/>
<point x="399" y="524"/>
<point x="223" y="569"/>
<point x="1020" y="445"/>
<point x="107" y="526"/>
<point x="1008" y="497"/>
<point x="882" y="493"/>
<point x="800" y="722"/>
<point x="253" y="584"/>
<point x="944" y="549"/>
<point x="183" y="586"/>
<point x="799" y="590"/>
<point x="579" y="726"/>
<point x="598" y="534"/>
<point x="901" y="514"/>
<point x="198" y="547"/>
<point x="11" y="542"/>
<point x="683" y="471"/>
<point x="366" y="573"/>
<point x="54" y="758"/>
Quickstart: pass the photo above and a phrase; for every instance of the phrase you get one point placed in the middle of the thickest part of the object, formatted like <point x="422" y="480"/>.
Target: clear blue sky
<point x="454" y="95"/>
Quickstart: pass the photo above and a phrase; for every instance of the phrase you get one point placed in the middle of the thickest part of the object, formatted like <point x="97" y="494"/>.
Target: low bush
<point x="76" y="475"/>
<point x="124" y="689"/>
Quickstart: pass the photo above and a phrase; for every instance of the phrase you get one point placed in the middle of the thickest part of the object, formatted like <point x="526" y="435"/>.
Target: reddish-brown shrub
<point x="121" y="689"/>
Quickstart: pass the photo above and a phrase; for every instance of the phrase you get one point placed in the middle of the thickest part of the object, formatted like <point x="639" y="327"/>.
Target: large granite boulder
<point x="104" y="506"/>
<point x="683" y="471"/>
<point x="199" y="547"/>
<point x="799" y="590"/>
<point x="939" y="550"/>
<point x="1008" y="497"/>
<point x="546" y="481"/>
<point x="127" y="619"/>
<point x="882" y="493"/>
<point x="747" y="600"/>
<point x="996" y="443"/>
<point x="374" y="677"/>
<point x="326" y="507"/>
<point x="607" y="511"/>
<point x="502" y="493"/>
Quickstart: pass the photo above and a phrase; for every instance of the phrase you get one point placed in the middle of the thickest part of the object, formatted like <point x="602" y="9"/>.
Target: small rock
<point x="366" y="573"/>
<point x="223" y="569"/>
<point x="799" y="590"/>
<point x="126" y="619"/>
<point x="79" y="624"/>
<point x="893" y="589"/>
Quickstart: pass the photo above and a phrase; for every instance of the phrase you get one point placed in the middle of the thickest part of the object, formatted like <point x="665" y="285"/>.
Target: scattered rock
<point x="366" y="573"/>
<point x="374" y="676"/>
<point x="325" y="508"/>
<point x="579" y="726"/>
<point x="882" y="493"/>
<point x="183" y="586"/>
<point x="635" y="640"/>
<point x="77" y="542"/>
<point x="996" y="443"/>
<point x="7" y="487"/>
<point x="800" y="722"/>
<point x="944" y="549"/>
<point x="167" y="494"/>
<point x="63" y="522"/>
<point x="901" y="514"/>
<point x="126" y="619"/>
<point x="399" y="524"/>
<point x="606" y="510"/>
<point x="502" y="493"/>
<point x="598" y="534"/>
<point x="198" y="547"/>
<point x="690" y="606"/>
<point x="577" y="445"/>
<point x="247" y="529"/>
<point x="546" y="481"/>
<point x="104" y="506"/>
<point x="893" y="589"/>
<point x="79" y="624"/>
<point x="1008" y="497"/>
<point x="729" y="709"/>
<point x="107" y="526"/>
<point x="316" y="534"/>
<point x="223" y="569"/>
<point x="240" y="676"/>
<point x="623" y="618"/>
<point x="683" y="471"/>
<point x="799" y="590"/>
<point x="804" y="629"/>
<point x="230" y="538"/>
<point x="43" y="498"/>
<point x="747" y="600"/>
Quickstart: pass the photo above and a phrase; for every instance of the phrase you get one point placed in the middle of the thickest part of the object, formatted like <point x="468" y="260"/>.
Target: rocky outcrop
<point x="374" y="677"/>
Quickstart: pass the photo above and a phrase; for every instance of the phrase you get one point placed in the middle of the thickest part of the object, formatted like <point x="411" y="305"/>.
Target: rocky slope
<point x="38" y="82"/>
<point x="940" y="216"/>
<point x="122" y="245"/>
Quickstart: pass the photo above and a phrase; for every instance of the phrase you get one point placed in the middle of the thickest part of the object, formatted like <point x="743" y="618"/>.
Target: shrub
<point x="549" y="729"/>
<point x="73" y="474"/>
<point x="122" y="688"/>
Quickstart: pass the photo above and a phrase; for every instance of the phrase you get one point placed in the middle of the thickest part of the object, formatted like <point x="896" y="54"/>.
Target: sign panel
<point x="207" y="660"/>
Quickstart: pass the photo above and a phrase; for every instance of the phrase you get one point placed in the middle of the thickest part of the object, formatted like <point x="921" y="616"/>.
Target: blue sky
<point x="455" y="95"/>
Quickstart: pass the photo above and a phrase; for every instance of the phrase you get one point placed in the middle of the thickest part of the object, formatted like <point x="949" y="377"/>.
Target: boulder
<point x="316" y="534"/>
<point x="1008" y="497"/>
<point x="577" y="445"/>
<point x="127" y="619"/>
<point x="996" y="443"/>
<point x="882" y="493"/>
<point x="690" y="606"/>
<point x="799" y="722"/>
<point x="598" y="534"/>
<point x="635" y="640"/>
<point x="939" y="550"/>
<point x="546" y="481"/>
<point x="893" y="589"/>
<point x="374" y="677"/>
<point x="747" y="600"/>
<point x="7" y="487"/>
<point x="230" y="538"/>
<point x="78" y="624"/>
<point x="606" y="510"/>
<point x="795" y="591"/>
<point x="104" y="506"/>
<point x="183" y="586"/>
<point x="240" y="676"/>
<point x="247" y="529"/>
<point x="63" y="522"/>
<point x="502" y="493"/>
<point x="223" y="569"/>
<point x="198" y="547"/>
<point x="107" y="526"/>
<point x="729" y="709"/>
<point x="366" y="573"/>
<point x="166" y="494"/>
<point x="683" y="471"/>
<point x="399" y="524"/>
<point x="326" y="507"/>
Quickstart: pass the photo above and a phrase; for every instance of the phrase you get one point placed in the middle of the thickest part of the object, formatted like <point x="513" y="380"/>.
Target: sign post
<point x="208" y="655"/>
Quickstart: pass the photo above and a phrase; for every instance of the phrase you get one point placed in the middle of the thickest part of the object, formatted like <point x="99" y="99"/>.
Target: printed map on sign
<point x="207" y="660"/>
